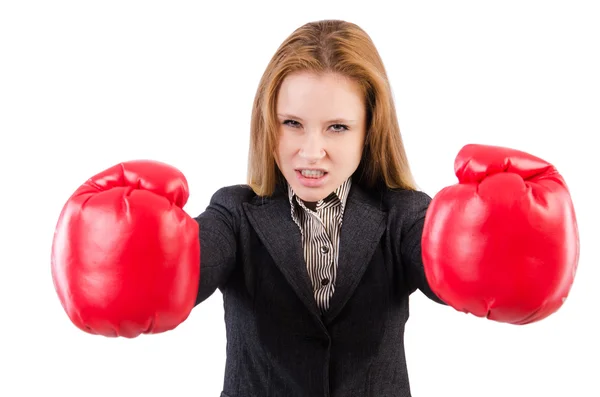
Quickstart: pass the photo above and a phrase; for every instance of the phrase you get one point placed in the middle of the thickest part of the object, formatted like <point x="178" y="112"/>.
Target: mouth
<point x="312" y="177"/>
<point x="312" y="173"/>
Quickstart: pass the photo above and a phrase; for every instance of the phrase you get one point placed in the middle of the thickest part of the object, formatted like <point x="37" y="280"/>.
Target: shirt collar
<point x="337" y="197"/>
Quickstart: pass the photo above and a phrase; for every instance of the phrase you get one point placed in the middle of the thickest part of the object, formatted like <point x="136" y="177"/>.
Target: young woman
<point x="318" y="254"/>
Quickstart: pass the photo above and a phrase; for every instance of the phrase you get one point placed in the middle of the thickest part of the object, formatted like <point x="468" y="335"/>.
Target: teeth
<point x="312" y="173"/>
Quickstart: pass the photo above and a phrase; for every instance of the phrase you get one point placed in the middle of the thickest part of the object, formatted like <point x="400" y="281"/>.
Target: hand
<point x="503" y="243"/>
<point x="125" y="256"/>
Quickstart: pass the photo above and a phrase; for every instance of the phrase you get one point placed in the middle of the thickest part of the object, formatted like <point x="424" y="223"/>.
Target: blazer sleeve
<point x="218" y="237"/>
<point x="411" y="246"/>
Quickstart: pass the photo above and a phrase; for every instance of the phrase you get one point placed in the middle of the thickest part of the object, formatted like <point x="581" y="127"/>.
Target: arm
<point x="414" y="271"/>
<point x="217" y="232"/>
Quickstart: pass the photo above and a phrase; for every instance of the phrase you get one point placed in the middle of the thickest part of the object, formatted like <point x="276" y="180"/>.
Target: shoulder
<point x="401" y="206"/>
<point x="405" y="213"/>
<point x="405" y="201"/>
<point x="232" y="197"/>
<point x="234" y="194"/>
<point x="388" y="200"/>
<point x="226" y="203"/>
<point x="405" y="208"/>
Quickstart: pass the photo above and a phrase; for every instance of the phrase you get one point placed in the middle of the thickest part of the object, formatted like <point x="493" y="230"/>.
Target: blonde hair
<point x="343" y="48"/>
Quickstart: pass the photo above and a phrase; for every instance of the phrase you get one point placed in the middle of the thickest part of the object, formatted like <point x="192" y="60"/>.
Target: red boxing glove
<point x="503" y="243"/>
<point x="125" y="256"/>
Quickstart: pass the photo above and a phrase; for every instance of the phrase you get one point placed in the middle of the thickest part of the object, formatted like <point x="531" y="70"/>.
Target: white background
<point x="84" y="85"/>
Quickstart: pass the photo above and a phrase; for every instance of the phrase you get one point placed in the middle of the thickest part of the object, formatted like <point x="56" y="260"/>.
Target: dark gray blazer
<point x="278" y="344"/>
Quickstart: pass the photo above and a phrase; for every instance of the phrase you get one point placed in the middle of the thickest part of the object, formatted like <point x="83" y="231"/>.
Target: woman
<point x="318" y="254"/>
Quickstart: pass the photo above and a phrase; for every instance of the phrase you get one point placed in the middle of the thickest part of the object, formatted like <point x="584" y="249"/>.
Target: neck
<point x="311" y="205"/>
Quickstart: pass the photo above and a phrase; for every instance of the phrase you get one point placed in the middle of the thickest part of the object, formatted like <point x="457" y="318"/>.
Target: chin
<point x="312" y="195"/>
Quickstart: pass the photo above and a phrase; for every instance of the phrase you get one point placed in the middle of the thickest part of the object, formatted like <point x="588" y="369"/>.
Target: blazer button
<point x="324" y="249"/>
<point x="325" y="281"/>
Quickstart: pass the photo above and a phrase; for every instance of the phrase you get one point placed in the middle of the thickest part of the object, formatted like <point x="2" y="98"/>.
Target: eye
<point x="292" y="123"/>
<point x="336" y="127"/>
<point x="339" y="127"/>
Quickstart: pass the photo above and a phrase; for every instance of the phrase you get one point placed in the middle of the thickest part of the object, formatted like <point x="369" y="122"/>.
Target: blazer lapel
<point x="362" y="227"/>
<point x="272" y="221"/>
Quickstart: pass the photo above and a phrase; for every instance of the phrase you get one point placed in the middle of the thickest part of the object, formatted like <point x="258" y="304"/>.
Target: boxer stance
<point x="318" y="254"/>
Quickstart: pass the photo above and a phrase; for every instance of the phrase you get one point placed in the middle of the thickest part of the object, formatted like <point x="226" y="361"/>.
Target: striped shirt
<point x="320" y="231"/>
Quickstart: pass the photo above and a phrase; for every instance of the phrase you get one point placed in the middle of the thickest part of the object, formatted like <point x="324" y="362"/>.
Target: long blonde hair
<point x="344" y="48"/>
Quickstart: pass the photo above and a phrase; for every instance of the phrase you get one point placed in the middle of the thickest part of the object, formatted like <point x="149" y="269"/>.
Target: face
<point x="322" y="128"/>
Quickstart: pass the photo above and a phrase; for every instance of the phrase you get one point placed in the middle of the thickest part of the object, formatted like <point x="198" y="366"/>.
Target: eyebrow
<point x="333" y="121"/>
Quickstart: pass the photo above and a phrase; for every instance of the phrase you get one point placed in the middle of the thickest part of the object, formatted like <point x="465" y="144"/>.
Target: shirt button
<point x="324" y="249"/>
<point x="325" y="281"/>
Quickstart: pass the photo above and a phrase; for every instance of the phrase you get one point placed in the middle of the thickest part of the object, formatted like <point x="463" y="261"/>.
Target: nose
<point x="312" y="148"/>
